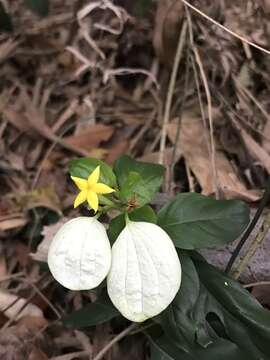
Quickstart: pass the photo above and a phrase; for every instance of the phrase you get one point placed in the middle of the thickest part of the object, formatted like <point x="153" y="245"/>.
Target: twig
<point x="225" y="29"/>
<point x="251" y="226"/>
<point x="71" y="356"/>
<point x="258" y="283"/>
<point x="209" y="102"/>
<point x="117" y="338"/>
<point x="11" y="276"/>
<point x="177" y="58"/>
<point x="177" y="136"/>
<point x="253" y="246"/>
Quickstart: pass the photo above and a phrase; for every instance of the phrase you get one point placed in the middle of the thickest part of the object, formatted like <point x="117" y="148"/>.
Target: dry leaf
<point x="193" y="143"/>
<point x="42" y="197"/>
<point x="168" y="154"/>
<point x="23" y="341"/>
<point x="48" y="232"/>
<point x="90" y="137"/>
<point x="116" y="150"/>
<point x="14" y="221"/>
<point x="256" y="150"/>
<point x="262" y="294"/>
<point x="266" y="142"/>
<point x="15" y="307"/>
<point x="168" y="20"/>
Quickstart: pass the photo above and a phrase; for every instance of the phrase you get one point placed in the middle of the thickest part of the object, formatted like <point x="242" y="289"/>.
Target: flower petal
<point x="100" y="188"/>
<point x="94" y="176"/>
<point x="81" y="197"/>
<point x="80" y="183"/>
<point x="92" y="199"/>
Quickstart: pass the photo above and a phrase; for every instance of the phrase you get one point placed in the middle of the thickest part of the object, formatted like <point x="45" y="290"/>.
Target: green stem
<point x="106" y="201"/>
<point x="127" y="218"/>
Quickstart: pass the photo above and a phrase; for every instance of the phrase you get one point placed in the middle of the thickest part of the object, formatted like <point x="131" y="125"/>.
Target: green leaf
<point x="211" y="309"/>
<point x="98" y="312"/>
<point x="219" y="350"/>
<point x="5" y="20"/>
<point x="145" y="213"/>
<point x="163" y="348"/>
<point x="194" y="221"/>
<point x="248" y="319"/>
<point x="138" y="181"/>
<point x="83" y="167"/>
<point x="40" y="7"/>
<point x="176" y="320"/>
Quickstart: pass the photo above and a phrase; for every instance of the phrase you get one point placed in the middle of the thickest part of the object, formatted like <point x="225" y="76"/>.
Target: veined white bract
<point x="79" y="256"/>
<point x="145" y="273"/>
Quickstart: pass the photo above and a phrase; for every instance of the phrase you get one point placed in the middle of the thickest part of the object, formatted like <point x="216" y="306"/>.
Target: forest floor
<point x="95" y="78"/>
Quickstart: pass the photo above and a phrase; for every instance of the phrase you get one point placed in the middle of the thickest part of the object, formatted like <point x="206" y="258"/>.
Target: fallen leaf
<point x="256" y="150"/>
<point x="193" y="143"/>
<point x="14" y="221"/>
<point x="169" y="16"/>
<point x="168" y="154"/>
<point x="42" y="197"/>
<point x="37" y="354"/>
<point x="15" y="307"/>
<point x="90" y="137"/>
<point x="116" y="150"/>
<point x="262" y="294"/>
<point x="23" y="341"/>
<point x="48" y="233"/>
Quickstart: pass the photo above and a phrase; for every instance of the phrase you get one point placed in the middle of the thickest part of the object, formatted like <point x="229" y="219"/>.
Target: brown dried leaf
<point x="14" y="221"/>
<point x="90" y="137"/>
<point x="42" y="197"/>
<point x="256" y="150"/>
<point x="116" y="150"/>
<point x="193" y="143"/>
<point x="168" y="154"/>
<point x="15" y="307"/>
<point x="168" y="20"/>
<point x="22" y="341"/>
<point x="48" y="232"/>
<point x="262" y="294"/>
<point x="16" y="119"/>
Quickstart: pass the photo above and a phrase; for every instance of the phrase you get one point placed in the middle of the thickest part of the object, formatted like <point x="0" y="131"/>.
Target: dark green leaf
<point x="98" y="312"/>
<point x="176" y="320"/>
<point x="145" y="213"/>
<point x="219" y="310"/>
<point x="40" y="7"/>
<point x="163" y="349"/>
<point x="83" y="167"/>
<point x="253" y="319"/>
<point x="194" y="221"/>
<point x="143" y="189"/>
<point x="5" y="20"/>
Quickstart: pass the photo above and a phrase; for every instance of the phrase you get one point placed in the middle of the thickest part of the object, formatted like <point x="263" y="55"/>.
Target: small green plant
<point x="153" y="270"/>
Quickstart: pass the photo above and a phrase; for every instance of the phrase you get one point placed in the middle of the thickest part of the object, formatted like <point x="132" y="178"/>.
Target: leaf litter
<point x="90" y="79"/>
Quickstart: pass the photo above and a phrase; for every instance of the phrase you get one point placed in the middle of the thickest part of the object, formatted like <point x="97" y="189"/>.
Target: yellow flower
<point x="90" y="188"/>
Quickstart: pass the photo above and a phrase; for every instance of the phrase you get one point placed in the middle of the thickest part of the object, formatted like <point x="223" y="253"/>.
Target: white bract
<point x="79" y="256"/>
<point x="145" y="273"/>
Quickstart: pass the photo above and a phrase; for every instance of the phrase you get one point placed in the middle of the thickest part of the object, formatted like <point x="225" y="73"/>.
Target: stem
<point x="106" y="201"/>
<point x="253" y="246"/>
<point x="251" y="226"/>
<point x="177" y="58"/>
<point x="117" y="338"/>
<point x="127" y="218"/>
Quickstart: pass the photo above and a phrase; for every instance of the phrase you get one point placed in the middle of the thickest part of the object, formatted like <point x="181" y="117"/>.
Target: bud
<point x="79" y="256"/>
<point x="145" y="273"/>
